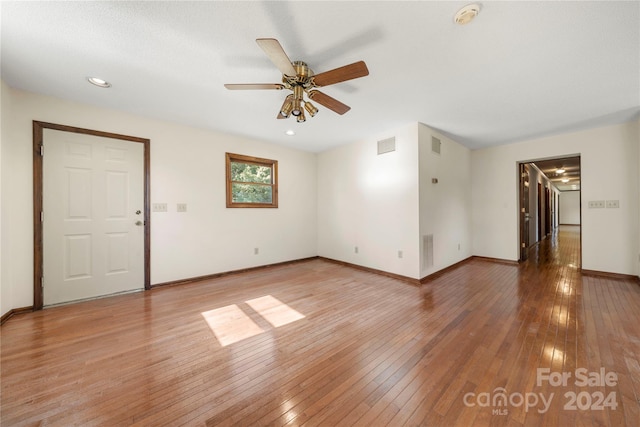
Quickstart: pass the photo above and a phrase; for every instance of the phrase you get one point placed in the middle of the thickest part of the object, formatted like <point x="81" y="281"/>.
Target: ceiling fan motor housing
<point x="302" y="77"/>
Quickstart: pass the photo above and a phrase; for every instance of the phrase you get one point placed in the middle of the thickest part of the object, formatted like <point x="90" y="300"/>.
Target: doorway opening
<point x="549" y="196"/>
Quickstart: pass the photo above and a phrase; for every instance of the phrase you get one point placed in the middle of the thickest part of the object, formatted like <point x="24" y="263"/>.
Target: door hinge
<point x="42" y="282"/>
<point x="42" y="151"/>
<point x="41" y="216"/>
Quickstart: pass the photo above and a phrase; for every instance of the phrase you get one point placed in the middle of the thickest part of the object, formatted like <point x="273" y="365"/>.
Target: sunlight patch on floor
<point x="274" y="311"/>
<point x="231" y="324"/>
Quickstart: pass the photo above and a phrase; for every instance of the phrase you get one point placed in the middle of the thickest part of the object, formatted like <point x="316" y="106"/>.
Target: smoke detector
<point x="466" y="14"/>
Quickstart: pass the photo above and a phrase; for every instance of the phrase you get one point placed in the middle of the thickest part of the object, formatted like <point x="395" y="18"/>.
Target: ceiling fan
<point x="300" y="79"/>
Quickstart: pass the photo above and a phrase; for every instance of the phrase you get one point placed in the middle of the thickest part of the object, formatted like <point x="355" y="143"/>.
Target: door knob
<point x="139" y="223"/>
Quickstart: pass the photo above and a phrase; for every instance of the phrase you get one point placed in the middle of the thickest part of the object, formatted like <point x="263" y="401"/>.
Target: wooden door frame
<point x="539" y="211"/>
<point x="38" y="140"/>
<point x="523" y="232"/>
<point x="548" y="229"/>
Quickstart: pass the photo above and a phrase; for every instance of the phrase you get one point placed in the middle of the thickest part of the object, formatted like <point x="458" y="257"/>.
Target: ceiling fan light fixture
<point x="297" y="108"/>
<point x="560" y="170"/>
<point x="466" y="14"/>
<point x="287" y="106"/>
<point x="565" y="180"/>
<point x="300" y="118"/>
<point x="311" y="109"/>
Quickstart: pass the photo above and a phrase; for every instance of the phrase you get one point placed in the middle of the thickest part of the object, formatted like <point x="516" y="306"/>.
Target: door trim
<point x="38" y="139"/>
<point x="524" y="223"/>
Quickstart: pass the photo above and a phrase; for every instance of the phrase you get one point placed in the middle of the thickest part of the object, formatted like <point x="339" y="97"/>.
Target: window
<point x="251" y="182"/>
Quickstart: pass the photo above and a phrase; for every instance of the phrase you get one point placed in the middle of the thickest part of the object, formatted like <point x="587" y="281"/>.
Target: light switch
<point x="181" y="207"/>
<point x="596" y="204"/>
<point x="613" y="204"/>
<point x="159" y="207"/>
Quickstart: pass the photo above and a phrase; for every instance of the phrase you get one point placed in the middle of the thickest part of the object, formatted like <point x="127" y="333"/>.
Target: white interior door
<point x="93" y="220"/>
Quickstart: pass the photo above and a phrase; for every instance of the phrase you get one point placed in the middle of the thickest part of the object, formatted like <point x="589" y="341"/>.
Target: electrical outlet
<point x="596" y="204"/>
<point x="355" y="250"/>
<point x="181" y="207"/>
<point x="159" y="207"/>
<point x="399" y="254"/>
<point x="613" y="204"/>
<point x="256" y="251"/>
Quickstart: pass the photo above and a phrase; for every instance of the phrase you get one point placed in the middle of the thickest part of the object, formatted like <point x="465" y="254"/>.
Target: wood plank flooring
<point x="369" y="351"/>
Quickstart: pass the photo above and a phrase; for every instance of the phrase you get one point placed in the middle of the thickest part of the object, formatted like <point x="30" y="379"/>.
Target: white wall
<point x="6" y="301"/>
<point x="637" y="134"/>
<point x="445" y="207"/>
<point x="329" y="203"/>
<point x="385" y="203"/>
<point x="609" y="236"/>
<point x="187" y="166"/>
<point x="570" y="207"/>
<point x="371" y="201"/>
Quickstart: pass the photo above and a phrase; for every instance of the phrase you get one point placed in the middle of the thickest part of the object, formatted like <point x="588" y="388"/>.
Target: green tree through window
<point x="251" y="182"/>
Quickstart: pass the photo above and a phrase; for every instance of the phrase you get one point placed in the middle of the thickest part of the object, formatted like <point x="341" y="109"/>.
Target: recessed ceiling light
<point x="290" y="132"/>
<point x="98" y="82"/>
<point x="560" y="170"/>
<point x="466" y="14"/>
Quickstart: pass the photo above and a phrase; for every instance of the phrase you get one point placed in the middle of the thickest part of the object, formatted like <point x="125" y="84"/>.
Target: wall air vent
<point x="427" y="250"/>
<point x="435" y="145"/>
<point x="387" y="145"/>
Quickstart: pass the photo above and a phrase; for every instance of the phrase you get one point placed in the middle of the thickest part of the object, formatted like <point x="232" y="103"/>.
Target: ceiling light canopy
<point x="466" y="14"/>
<point x="98" y="82"/>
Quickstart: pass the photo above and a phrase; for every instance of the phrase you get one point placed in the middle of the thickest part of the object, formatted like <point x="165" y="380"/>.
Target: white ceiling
<point x="520" y="70"/>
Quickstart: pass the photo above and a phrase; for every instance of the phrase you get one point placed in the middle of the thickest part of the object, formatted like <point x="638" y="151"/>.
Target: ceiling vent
<point x="387" y="145"/>
<point x="435" y="145"/>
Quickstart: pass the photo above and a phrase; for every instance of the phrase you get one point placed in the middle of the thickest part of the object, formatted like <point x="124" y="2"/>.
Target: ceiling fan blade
<point x="277" y="55"/>
<point x="337" y="75"/>
<point x="254" y="86"/>
<point x="329" y="102"/>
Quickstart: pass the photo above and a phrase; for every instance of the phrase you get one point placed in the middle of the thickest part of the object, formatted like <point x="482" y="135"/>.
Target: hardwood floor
<point x="333" y="345"/>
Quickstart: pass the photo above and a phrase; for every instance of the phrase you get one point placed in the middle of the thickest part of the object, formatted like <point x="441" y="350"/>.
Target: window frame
<point x="240" y="158"/>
